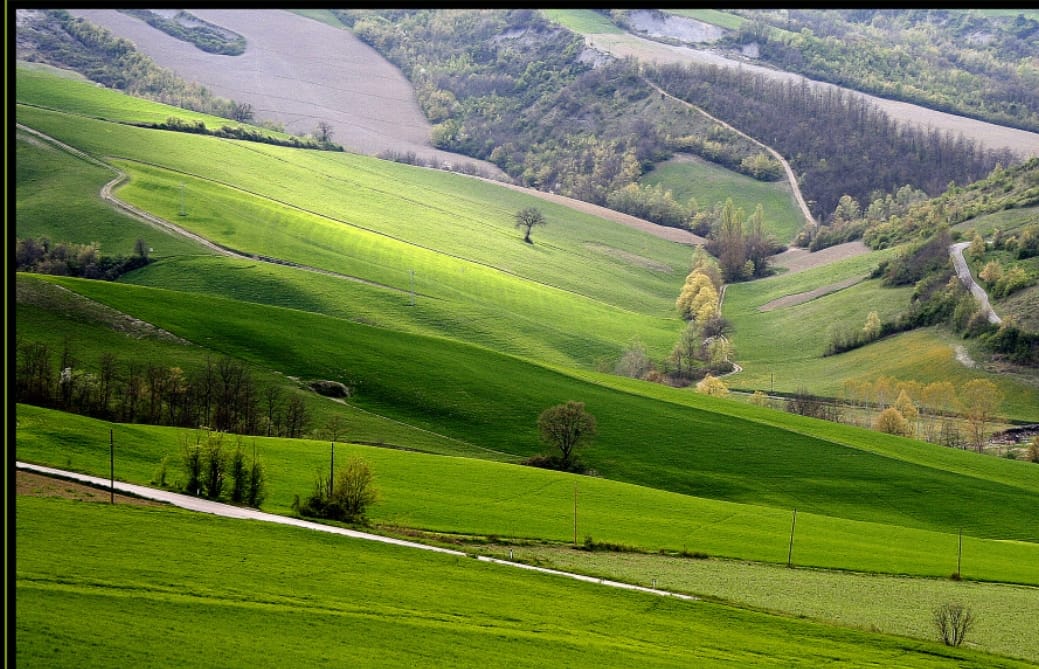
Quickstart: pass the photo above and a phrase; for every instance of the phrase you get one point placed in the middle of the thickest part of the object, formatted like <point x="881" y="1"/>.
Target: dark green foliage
<point x="83" y="260"/>
<point x="190" y="28"/>
<point x="921" y="259"/>
<point x="347" y="498"/>
<point x="239" y="475"/>
<point x="243" y="133"/>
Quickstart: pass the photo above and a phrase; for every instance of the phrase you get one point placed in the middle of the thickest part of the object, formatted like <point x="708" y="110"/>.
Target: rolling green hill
<point x="413" y="287"/>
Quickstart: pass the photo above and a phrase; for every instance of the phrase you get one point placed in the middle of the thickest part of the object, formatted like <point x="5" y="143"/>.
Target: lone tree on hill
<point x="566" y="427"/>
<point x="526" y="219"/>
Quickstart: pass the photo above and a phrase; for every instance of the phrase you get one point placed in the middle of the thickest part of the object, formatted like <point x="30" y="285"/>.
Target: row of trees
<point x="215" y="473"/>
<point x="221" y="394"/>
<point x="41" y="255"/>
<point x="190" y="28"/>
<point x="322" y="139"/>
<point x="934" y="412"/>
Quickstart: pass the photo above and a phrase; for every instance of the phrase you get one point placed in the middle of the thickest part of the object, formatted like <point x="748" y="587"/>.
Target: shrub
<point x="347" y="498"/>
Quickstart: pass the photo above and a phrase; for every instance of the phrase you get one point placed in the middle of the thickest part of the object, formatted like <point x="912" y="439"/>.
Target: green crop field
<point x="321" y="598"/>
<point x="417" y="291"/>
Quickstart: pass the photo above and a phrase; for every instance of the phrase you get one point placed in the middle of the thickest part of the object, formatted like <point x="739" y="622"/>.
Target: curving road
<point x="963" y="272"/>
<point x="230" y="511"/>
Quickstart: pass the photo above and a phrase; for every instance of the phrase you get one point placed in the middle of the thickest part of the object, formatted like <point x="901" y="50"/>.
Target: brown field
<point x="39" y="485"/>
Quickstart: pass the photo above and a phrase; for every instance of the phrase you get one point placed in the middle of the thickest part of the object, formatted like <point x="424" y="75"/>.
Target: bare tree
<point x="953" y="621"/>
<point x="324" y="132"/>
<point x="527" y="219"/>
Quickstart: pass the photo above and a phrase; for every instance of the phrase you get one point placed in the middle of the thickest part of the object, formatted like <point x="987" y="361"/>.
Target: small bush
<point x="347" y="499"/>
<point x="330" y="388"/>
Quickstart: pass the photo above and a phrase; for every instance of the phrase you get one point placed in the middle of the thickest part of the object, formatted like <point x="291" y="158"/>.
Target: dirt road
<point x="963" y="272"/>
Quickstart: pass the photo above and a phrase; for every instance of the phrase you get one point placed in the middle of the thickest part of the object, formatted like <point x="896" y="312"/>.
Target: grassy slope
<point x="688" y="177"/>
<point x="462" y="495"/>
<point x="802" y="332"/>
<point x="381" y="605"/>
<point x="703" y="450"/>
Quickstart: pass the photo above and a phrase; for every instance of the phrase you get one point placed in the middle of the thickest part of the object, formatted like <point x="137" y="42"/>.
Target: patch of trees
<point x="43" y="256"/>
<point x="510" y="87"/>
<point x="838" y="143"/>
<point x="189" y="28"/>
<point x="242" y="132"/>
<point x="56" y="37"/>
<point x="740" y="243"/>
<point x="222" y="395"/>
<point x="215" y="473"/>
<point x="963" y="62"/>
<point x="703" y="351"/>
<point x="344" y="497"/>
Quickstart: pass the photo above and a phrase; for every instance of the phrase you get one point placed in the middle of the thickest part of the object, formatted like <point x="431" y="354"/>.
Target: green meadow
<point x="320" y="598"/>
<point x="413" y="287"/>
<point x="687" y="177"/>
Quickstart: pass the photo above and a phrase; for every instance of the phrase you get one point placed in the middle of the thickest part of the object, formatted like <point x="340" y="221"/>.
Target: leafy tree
<point x="527" y="219"/>
<point x="566" y="427"/>
<point x="324" y="132"/>
<point x="348" y="500"/>
<point x="872" y="328"/>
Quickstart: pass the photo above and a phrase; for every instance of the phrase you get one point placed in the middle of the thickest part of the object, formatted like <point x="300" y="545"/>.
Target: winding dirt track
<point x="963" y="272"/>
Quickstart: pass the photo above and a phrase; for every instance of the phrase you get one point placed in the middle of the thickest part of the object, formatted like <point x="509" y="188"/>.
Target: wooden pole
<point x="575" y="513"/>
<point x="790" y="551"/>
<point x="111" y="462"/>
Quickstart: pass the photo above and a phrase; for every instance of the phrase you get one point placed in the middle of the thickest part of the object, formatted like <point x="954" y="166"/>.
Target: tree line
<point x="958" y="61"/>
<point x="41" y="255"/>
<point x="221" y="394"/>
<point x="189" y="28"/>
<point x="838" y="143"/>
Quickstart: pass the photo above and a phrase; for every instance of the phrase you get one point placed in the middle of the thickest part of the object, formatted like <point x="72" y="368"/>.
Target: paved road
<point x="231" y="511"/>
<point x="963" y="272"/>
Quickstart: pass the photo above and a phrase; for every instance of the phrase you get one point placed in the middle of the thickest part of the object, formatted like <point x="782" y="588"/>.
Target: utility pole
<point x="790" y="551"/>
<point x="575" y="513"/>
<point x="111" y="461"/>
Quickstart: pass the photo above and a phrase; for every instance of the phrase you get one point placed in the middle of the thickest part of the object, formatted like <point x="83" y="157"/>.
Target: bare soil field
<point x="798" y="260"/>
<point x="38" y="485"/>
<point x="298" y="72"/>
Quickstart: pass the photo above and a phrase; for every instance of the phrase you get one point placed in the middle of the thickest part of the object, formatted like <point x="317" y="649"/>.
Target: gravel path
<point x="963" y="272"/>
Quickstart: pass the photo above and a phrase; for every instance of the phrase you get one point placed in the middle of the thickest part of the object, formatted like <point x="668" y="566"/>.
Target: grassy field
<point x="688" y="177"/>
<point x="455" y="335"/>
<point x="321" y="598"/>
<point x="802" y="332"/>
<point x="474" y="497"/>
